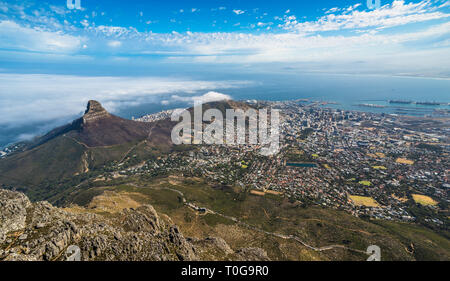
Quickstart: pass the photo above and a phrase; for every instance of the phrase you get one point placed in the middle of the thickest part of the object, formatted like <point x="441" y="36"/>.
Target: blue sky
<point x="180" y="16"/>
<point x="53" y="59"/>
<point x="395" y="38"/>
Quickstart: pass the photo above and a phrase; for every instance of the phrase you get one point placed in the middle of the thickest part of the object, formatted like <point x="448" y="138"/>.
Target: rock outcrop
<point x="94" y="112"/>
<point x="13" y="212"/>
<point x="80" y="146"/>
<point x="40" y="231"/>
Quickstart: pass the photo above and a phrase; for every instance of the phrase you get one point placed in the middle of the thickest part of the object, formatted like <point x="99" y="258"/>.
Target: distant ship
<point x="428" y="103"/>
<point x="371" y="105"/>
<point x="400" y="101"/>
<point x="415" y="102"/>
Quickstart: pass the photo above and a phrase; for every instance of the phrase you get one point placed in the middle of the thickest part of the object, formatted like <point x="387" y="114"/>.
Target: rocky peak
<point x="39" y="231"/>
<point x="94" y="112"/>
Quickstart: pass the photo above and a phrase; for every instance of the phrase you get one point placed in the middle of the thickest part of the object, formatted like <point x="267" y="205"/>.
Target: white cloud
<point x="19" y="37"/>
<point x="367" y="37"/>
<point x="84" y="23"/>
<point x="376" y="51"/>
<point x="27" y="98"/>
<point x="218" y="9"/>
<point x="289" y="46"/>
<point x="262" y="24"/>
<point x="445" y="4"/>
<point x="351" y="8"/>
<point x="25" y="137"/>
<point x="114" y="44"/>
<point x="210" y="96"/>
<point x="396" y="14"/>
<point x="332" y="10"/>
<point x="113" y="31"/>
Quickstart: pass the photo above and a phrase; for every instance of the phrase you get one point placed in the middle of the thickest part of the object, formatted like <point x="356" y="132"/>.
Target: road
<point x="282" y="236"/>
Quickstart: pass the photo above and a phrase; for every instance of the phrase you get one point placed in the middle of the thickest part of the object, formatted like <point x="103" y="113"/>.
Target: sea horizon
<point x="350" y="92"/>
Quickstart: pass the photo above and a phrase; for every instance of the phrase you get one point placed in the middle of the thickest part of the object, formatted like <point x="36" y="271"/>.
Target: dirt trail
<point x="282" y="236"/>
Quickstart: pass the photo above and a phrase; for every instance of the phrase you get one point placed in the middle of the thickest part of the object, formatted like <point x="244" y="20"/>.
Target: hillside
<point x="129" y="231"/>
<point x="104" y="173"/>
<point x="283" y="229"/>
<point x="89" y="142"/>
<point x="97" y="127"/>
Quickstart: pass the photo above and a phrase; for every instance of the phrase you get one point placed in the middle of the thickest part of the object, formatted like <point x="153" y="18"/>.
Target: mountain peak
<point x="94" y="111"/>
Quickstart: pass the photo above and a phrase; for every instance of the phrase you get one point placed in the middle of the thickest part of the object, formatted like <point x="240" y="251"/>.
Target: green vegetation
<point x="424" y="200"/>
<point x="316" y="226"/>
<point x="365" y="182"/>
<point x="295" y="155"/>
<point x="364" y="201"/>
<point x="44" y="164"/>
<point x="430" y="147"/>
<point x="423" y="243"/>
<point x="214" y="220"/>
<point x="305" y="133"/>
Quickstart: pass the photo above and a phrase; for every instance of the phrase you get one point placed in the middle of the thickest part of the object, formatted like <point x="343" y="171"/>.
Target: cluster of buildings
<point x="10" y="149"/>
<point x="367" y="164"/>
<point x="166" y="114"/>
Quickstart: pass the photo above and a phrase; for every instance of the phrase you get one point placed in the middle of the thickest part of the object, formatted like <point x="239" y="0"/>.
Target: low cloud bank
<point x="208" y="97"/>
<point x="32" y="98"/>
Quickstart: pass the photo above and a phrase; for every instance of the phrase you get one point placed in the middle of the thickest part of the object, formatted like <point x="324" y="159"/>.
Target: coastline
<point x="421" y="111"/>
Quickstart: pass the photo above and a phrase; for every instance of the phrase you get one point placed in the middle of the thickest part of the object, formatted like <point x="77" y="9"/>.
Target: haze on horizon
<point x="53" y="59"/>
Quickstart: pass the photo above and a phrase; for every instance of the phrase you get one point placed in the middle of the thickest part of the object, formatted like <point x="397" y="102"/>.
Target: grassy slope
<point x="58" y="158"/>
<point x="316" y="226"/>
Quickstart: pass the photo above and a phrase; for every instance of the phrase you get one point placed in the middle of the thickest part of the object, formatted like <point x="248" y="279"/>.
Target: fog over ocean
<point x="32" y="108"/>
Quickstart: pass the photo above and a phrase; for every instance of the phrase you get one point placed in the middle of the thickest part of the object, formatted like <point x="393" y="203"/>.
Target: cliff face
<point x="39" y="231"/>
<point x="94" y="112"/>
<point x="13" y="210"/>
<point x="100" y="128"/>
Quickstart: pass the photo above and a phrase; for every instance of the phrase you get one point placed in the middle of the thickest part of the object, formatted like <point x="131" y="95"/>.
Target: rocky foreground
<point x="38" y="231"/>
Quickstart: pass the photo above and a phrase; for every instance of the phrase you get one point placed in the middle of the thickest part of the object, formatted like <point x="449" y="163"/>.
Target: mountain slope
<point x="74" y="148"/>
<point x="100" y="128"/>
<point x="39" y="231"/>
<point x="97" y="127"/>
<point x="57" y="158"/>
<point x="87" y="143"/>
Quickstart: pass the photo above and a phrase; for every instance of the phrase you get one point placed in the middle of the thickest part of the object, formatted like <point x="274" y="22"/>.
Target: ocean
<point x="370" y="93"/>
